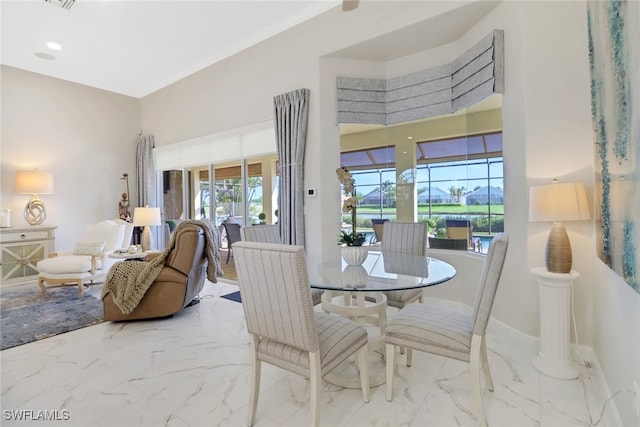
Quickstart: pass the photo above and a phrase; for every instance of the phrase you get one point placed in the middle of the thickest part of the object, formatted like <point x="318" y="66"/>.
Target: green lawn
<point x="442" y="210"/>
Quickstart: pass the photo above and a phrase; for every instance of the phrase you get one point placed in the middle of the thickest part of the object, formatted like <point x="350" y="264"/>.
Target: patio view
<point x="462" y="179"/>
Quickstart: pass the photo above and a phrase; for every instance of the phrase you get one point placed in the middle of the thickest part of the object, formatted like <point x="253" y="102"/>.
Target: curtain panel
<point x="145" y="171"/>
<point x="291" y="113"/>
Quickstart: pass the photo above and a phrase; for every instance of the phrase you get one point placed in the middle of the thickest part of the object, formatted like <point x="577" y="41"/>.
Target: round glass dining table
<point x="358" y="292"/>
<point x="384" y="271"/>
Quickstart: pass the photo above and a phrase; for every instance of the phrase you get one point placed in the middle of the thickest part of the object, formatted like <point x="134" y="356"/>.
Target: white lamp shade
<point x="146" y="216"/>
<point x="34" y="182"/>
<point x="558" y="202"/>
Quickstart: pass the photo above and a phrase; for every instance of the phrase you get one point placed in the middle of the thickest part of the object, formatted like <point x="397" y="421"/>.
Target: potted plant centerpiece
<point x="352" y="251"/>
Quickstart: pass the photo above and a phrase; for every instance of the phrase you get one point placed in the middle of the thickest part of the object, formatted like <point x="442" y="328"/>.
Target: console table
<point x="21" y="249"/>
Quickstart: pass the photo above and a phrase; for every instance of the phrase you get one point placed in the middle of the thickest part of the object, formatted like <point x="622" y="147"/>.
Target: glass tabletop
<point x="384" y="271"/>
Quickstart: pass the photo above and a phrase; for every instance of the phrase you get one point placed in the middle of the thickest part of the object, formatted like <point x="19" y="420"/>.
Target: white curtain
<point x="291" y="112"/>
<point x="145" y="171"/>
<point x="146" y="180"/>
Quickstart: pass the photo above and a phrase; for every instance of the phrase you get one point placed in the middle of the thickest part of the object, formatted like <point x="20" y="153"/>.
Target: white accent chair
<point x="404" y="238"/>
<point x="284" y="330"/>
<point x="269" y="233"/>
<point x="450" y="333"/>
<point x="89" y="261"/>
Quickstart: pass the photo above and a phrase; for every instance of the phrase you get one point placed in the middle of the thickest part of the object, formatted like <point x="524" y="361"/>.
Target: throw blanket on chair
<point x="128" y="281"/>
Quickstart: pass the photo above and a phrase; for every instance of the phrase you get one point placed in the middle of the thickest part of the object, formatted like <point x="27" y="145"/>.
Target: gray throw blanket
<point x="128" y="281"/>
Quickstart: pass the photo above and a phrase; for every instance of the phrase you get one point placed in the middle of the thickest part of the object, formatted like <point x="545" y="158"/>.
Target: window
<point x="457" y="178"/>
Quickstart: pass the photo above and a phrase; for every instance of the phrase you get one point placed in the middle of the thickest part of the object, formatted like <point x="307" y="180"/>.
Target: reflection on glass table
<point x="356" y="292"/>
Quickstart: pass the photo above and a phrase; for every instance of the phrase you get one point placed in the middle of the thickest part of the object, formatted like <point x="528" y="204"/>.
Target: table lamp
<point x="34" y="183"/>
<point x="558" y="202"/>
<point x="146" y="217"/>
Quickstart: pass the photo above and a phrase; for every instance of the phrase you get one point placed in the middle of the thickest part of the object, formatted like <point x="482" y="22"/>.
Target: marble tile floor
<point x="193" y="370"/>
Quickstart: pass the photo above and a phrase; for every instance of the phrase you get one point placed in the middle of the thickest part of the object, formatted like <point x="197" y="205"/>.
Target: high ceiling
<point x="137" y="47"/>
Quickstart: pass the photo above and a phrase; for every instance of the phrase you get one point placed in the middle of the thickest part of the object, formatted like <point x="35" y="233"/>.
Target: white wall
<point x="617" y="338"/>
<point x="85" y="136"/>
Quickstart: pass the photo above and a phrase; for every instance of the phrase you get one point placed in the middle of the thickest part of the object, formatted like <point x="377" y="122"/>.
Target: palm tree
<point x="457" y="192"/>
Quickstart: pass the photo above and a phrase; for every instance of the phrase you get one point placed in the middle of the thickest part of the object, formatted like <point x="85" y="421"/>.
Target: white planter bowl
<point x="354" y="255"/>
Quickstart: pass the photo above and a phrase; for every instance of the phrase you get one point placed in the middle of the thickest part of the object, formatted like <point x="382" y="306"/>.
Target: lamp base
<point x="146" y="240"/>
<point x="557" y="254"/>
<point x="35" y="212"/>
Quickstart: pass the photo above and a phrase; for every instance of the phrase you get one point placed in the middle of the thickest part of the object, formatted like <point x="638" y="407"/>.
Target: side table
<point x="126" y="256"/>
<point x="554" y="358"/>
<point x="21" y="248"/>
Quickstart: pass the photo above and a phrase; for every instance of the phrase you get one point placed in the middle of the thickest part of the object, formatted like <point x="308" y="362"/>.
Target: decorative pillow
<point x="89" y="248"/>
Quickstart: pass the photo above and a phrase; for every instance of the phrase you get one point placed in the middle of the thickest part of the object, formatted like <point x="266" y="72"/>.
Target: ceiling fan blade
<point x="348" y="5"/>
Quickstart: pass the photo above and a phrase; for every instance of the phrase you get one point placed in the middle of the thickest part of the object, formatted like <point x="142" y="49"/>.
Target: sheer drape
<point x="145" y="171"/>
<point x="146" y="178"/>
<point x="291" y="111"/>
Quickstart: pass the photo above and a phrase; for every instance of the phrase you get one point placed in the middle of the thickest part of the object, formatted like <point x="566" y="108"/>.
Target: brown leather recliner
<point x="179" y="282"/>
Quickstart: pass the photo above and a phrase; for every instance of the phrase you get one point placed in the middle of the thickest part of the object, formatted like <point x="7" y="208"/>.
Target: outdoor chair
<point x="450" y="333"/>
<point x="232" y="231"/>
<point x="284" y="330"/>
<point x="378" y="225"/>
<point x="461" y="229"/>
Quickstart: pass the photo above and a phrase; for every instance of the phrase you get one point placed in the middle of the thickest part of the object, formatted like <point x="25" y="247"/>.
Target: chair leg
<point x="485" y="365"/>
<point x="255" y="380"/>
<point x="390" y="365"/>
<point x="228" y="254"/>
<point x="316" y="382"/>
<point x="41" y="285"/>
<point x="80" y="289"/>
<point x="476" y="389"/>
<point x="363" y="365"/>
<point x="409" y="357"/>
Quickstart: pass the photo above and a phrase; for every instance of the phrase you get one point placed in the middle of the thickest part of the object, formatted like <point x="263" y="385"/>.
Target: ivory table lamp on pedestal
<point x="556" y="203"/>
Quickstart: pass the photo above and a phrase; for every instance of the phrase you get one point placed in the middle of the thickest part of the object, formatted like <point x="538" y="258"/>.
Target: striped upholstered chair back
<point x="488" y="283"/>
<point x="261" y="233"/>
<point x="275" y="292"/>
<point x="271" y="234"/>
<point x="404" y="237"/>
<point x="284" y="330"/>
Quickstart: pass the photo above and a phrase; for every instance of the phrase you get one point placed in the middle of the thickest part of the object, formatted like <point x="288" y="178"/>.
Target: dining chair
<point x="450" y="333"/>
<point x="233" y="235"/>
<point x="284" y="330"/>
<point x="270" y="233"/>
<point x="404" y="238"/>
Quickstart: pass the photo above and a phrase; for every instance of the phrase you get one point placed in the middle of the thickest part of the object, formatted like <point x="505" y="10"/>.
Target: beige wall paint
<point x="84" y="136"/>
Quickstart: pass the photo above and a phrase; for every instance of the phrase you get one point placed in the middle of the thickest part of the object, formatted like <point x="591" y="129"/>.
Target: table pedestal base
<point x="354" y="306"/>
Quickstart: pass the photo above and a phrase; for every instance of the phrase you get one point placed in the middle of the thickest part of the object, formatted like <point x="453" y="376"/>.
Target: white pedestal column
<point x="554" y="358"/>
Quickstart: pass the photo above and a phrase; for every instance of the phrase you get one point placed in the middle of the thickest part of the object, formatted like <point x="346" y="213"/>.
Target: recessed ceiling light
<point x="47" y="56"/>
<point x="54" y="46"/>
<point x="409" y="137"/>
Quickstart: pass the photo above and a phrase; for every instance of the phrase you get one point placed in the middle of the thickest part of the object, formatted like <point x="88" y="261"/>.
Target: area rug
<point x="233" y="296"/>
<point x="27" y="316"/>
